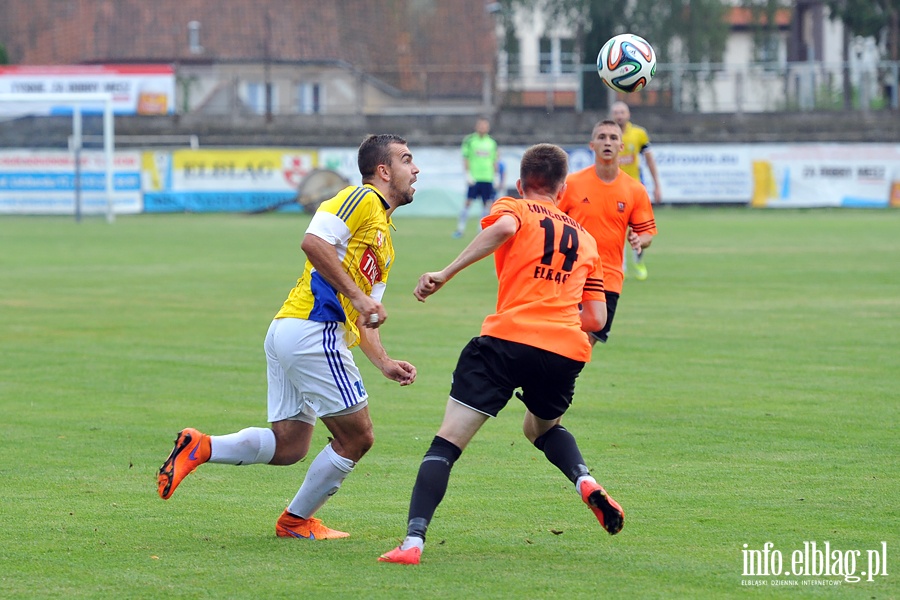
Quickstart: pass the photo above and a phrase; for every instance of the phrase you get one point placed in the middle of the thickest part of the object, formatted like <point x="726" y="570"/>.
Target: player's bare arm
<point x="639" y="241"/>
<point x="484" y="244"/>
<point x="593" y="315"/>
<point x="651" y="166"/>
<point x="324" y="258"/>
<point x="634" y="240"/>
<point x="400" y="371"/>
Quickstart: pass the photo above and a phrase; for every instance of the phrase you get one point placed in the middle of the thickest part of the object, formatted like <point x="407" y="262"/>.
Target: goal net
<point x="41" y="176"/>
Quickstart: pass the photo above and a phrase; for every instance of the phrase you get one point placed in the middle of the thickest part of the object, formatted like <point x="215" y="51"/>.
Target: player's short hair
<point x="543" y="168"/>
<point x="600" y="123"/>
<point x="376" y="150"/>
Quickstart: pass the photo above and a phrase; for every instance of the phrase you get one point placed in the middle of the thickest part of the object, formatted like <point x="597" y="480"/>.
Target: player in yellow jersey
<point x="335" y="305"/>
<point x="550" y="293"/>
<point x="636" y="144"/>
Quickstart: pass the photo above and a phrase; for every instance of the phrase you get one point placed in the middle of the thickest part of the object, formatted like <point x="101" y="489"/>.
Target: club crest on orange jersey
<point x="620" y="206"/>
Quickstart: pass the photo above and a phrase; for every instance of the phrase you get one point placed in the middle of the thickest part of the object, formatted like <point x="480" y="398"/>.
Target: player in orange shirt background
<point x="547" y="266"/>
<point x="613" y="207"/>
<point x="636" y="143"/>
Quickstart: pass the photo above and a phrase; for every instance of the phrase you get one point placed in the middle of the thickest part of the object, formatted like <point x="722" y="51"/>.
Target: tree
<point x="764" y="25"/>
<point x="602" y="19"/>
<point x="4" y="56"/>
<point x="866" y="18"/>
<point x="692" y="32"/>
<point x="701" y="27"/>
<point x="869" y="18"/>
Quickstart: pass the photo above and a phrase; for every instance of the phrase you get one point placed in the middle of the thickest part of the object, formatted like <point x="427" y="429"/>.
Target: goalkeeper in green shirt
<point x="481" y="161"/>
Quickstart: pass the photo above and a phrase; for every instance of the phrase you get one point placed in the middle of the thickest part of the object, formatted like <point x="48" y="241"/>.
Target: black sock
<point x="561" y="449"/>
<point x="431" y="484"/>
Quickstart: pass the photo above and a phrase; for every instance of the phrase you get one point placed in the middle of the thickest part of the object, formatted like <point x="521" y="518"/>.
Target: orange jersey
<point x="606" y="210"/>
<point x="545" y="270"/>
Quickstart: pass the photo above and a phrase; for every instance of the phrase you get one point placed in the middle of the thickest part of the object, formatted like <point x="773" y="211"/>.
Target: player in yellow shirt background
<point x="637" y="144"/>
<point x="311" y="374"/>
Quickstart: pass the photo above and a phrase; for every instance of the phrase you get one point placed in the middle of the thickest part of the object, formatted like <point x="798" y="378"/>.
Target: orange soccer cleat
<point x="410" y="556"/>
<point x="309" y="529"/>
<point x="191" y="450"/>
<point x="607" y="510"/>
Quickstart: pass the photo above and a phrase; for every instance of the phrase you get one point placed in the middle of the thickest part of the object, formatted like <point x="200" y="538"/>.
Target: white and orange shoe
<point x="289" y="526"/>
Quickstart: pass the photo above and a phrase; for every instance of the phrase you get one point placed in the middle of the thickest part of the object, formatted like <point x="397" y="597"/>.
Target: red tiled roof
<point x="365" y="33"/>
<point x="739" y="16"/>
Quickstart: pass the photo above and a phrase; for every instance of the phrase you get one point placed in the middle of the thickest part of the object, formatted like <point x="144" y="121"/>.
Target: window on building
<point x="557" y="55"/>
<point x="510" y="57"/>
<point x="767" y="50"/>
<point x="254" y="97"/>
<point x="309" y="98"/>
<point x="568" y="60"/>
<point x="546" y="55"/>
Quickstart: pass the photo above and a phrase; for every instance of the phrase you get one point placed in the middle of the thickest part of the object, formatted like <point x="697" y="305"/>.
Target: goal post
<point x="78" y="103"/>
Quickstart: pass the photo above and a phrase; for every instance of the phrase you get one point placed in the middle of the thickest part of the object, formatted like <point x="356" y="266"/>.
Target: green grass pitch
<point x="748" y="394"/>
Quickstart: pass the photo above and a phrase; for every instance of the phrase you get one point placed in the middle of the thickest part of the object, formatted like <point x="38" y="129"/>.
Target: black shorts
<point x="612" y="299"/>
<point x="482" y="189"/>
<point x="490" y="369"/>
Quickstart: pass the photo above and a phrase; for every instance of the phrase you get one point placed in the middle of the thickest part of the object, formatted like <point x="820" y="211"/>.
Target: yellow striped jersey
<point x="635" y="140"/>
<point x="356" y="224"/>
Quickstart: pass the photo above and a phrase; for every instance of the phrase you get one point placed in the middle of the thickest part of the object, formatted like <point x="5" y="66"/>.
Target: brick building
<point x="307" y="56"/>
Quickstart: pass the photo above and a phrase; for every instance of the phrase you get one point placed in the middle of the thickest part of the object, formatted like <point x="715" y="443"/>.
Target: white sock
<point x="250" y="446"/>
<point x="323" y="479"/>
<point x="583" y="478"/>
<point x="412" y="541"/>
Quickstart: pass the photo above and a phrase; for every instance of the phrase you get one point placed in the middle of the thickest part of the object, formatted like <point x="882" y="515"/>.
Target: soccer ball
<point x="626" y="63"/>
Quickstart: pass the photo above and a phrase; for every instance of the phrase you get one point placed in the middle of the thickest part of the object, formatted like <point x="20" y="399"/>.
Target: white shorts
<point x="311" y="372"/>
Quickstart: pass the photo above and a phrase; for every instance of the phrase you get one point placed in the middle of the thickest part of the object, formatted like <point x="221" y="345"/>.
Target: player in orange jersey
<point x="613" y="207"/>
<point x="547" y="266"/>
